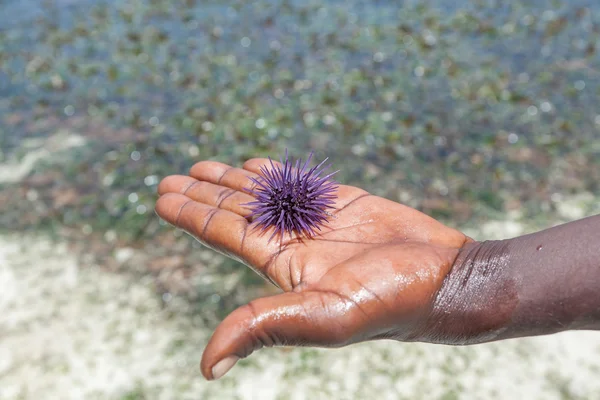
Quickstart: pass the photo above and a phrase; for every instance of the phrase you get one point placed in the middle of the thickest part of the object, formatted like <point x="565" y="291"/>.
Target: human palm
<point x="371" y="272"/>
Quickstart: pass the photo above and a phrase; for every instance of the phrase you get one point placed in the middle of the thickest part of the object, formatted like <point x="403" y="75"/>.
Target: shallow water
<point x="451" y="105"/>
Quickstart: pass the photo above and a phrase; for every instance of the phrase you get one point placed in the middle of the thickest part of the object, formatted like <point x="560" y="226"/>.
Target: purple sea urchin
<point x="292" y="198"/>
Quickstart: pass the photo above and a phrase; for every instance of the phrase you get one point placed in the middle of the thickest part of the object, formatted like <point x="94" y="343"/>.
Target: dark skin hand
<point x="372" y="273"/>
<point x="378" y="270"/>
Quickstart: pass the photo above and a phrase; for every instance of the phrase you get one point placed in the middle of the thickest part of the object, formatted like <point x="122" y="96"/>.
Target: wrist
<point x="477" y="299"/>
<point x="535" y="284"/>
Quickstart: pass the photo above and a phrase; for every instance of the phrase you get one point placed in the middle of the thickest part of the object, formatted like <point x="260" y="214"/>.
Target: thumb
<point x="288" y="319"/>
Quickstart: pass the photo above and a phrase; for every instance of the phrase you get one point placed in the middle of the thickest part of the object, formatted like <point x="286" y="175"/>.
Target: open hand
<point x="371" y="273"/>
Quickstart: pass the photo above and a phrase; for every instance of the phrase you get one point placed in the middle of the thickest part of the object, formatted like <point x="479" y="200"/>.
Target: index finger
<point x="224" y="231"/>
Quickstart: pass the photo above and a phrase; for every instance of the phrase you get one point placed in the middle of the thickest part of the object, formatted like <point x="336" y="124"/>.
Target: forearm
<point x="535" y="284"/>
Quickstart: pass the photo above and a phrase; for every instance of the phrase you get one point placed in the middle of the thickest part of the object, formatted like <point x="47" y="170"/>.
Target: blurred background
<point x="484" y="114"/>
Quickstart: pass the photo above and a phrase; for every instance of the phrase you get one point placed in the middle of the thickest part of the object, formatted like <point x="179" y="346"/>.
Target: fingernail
<point x="223" y="366"/>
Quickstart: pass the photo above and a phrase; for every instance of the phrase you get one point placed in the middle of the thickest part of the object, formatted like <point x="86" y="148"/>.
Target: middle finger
<point x="223" y="175"/>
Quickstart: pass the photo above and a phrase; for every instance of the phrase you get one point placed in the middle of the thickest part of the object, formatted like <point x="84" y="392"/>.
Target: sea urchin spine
<point x="292" y="198"/>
